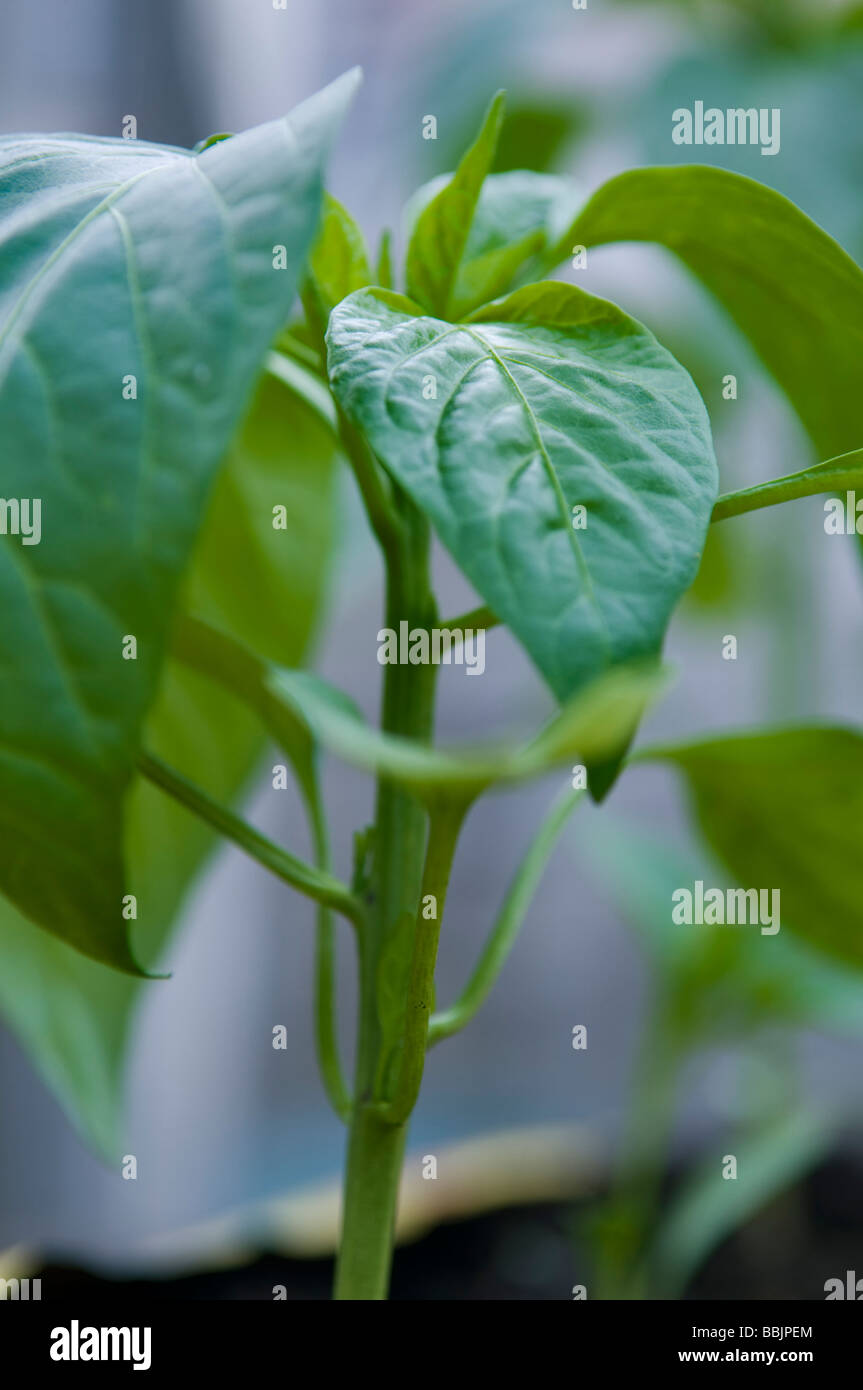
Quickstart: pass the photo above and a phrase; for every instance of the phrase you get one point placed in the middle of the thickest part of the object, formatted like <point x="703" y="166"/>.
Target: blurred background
<point x="236" y="1147"/>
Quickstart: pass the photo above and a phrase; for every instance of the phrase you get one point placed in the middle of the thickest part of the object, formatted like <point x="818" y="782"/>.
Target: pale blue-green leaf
<point x="121" y="261"/>
<point x="562" y="455"/>
<point x="74" y="1016"/>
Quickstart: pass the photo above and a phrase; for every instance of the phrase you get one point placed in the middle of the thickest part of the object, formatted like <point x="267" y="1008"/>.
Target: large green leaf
<point x="121" y="260"/>
<point x="784" y="811"/>
<point x="790" y="287"/>
<point x="497" y="428"/>
<point x="72" y="1014"/>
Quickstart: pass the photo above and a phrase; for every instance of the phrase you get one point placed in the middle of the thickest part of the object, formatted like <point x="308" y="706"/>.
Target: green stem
<point x="502" y="938"/>
<point x="845" y="470"/>
<point x="477" y="618"/>
<point x="375" y="1146"/>
<point x="375" y="1152"/>
<point x="376" y="493"/>
<point x="312" y="882"/>
<point x="326" y="1018"/>
<point x="227" y="662"/>
<point x="446" y="823"/>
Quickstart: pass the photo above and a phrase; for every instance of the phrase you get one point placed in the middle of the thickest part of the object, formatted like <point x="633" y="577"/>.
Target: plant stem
<point x="375" y="1146"/>
<point x="502" y="938"/>
<point x="375" y="1152"/>
<point x="326" y="1017"/>
<point x="476" y="618"/>
<point x="843" y="471"/>
<point x="446" y="822"/>
<point x="313" y="882"/>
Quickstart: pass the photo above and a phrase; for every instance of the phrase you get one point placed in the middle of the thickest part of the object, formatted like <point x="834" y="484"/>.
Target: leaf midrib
<point x="577" y="549"/>
<point x="60" y="250"/>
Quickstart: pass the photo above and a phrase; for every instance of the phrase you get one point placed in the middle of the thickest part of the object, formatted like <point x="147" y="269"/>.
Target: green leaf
<point x="120" y="260"/>
<point x="708" y="1208"/>
<point x="518" y="217"/>
<point x="338" y="264"/>
<point x="592" y="723"/>
<point x="717" y="983"/>
<point x="548" y="400"/>
<point x="384" y="263"/>
<point x="790" y="287"/>
<point x="784" y="811"/>
<point x="73" y="1015"/>
<point x="439" y="238"/>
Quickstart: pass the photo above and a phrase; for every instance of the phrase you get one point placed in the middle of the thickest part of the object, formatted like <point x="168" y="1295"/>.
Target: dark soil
<point x="811" y="1234"/>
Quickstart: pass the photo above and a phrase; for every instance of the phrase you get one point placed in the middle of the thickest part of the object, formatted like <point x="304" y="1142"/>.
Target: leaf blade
<point x="440" y="233"/>
<point x="784" y="810"/>
<point x="794" y="292"/>
<point x="547" y="400"/>
<point x="118" y="266"/>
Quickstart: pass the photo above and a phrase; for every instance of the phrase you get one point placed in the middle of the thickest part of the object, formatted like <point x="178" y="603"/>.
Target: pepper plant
<point x="173" y="420"/>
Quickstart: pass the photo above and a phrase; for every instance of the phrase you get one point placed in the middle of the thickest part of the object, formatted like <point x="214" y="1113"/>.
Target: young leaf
<point x="440" y="233"/>
<point x="384" y="263"/>
<point x="784" y="811"/>
<point x="790" y="287"/>
<point x="338" y="264"/>
<point x="71" y="1014"/>
<point x="139" y="290"/>
<point x="562" y="455"/>
<point x="518" y="216"/>
<point x="594" y="722"/>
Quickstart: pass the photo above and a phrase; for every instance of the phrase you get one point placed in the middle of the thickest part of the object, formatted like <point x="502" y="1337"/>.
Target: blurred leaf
<point x="73" y="1015"/>
<point x="709" y="1208"/>
<point x="440" y="232"/>
<point x="121" y="260"/>
<point x="814" y="88"/>
<point x="718" y="581"/>
<point x="716" y="982"/>
<point x="793" y="291"/>
<point x="536" y="131"/>
<point x="544" y="402"/>
<point x="591" y="724"/>
<point x="784" y="811"/>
